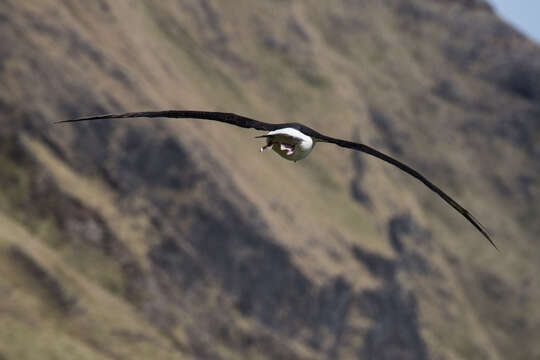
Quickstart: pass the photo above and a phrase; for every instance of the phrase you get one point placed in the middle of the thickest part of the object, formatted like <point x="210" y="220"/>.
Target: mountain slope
<point x="178" y="239"/>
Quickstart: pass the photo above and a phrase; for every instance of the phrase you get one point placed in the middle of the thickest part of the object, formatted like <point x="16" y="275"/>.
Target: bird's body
<point x="289" y="143"/>
<point x="294" y="141"/>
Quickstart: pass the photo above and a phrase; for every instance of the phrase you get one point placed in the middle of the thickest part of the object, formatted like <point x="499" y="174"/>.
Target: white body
<point x="290" y="143"/>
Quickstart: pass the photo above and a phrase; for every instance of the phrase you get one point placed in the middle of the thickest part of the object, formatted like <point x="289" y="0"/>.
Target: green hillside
<point x="178" y="239"/>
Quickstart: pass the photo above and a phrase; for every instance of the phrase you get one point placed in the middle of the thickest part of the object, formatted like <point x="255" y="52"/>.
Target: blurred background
<point x="178" y="239"/>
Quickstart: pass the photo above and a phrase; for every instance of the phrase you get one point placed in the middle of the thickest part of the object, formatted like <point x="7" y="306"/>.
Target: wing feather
<point x="228" y="118"/>
<point x="371" y="151"/>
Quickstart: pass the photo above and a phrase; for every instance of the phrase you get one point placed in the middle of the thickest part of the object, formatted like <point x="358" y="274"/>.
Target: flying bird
<point x="293" y="141"/>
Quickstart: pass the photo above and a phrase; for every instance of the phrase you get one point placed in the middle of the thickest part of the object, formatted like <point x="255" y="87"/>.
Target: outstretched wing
<point x="416" y="174"/>
<point x="249" y="123"/>
<point x="228" y="118"/>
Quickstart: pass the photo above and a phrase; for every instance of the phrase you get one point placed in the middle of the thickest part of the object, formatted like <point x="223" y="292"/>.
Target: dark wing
<point x="416" y="174"/>
<point x="228" y="118"/>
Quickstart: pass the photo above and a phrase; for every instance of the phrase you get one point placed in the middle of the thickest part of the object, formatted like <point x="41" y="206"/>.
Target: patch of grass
<point x="195" y="61"/>
<point x="95" y="195"/>
<point x="22" y="341"/>
<point x="15" y="198"/>
<point x="94" y="329"/>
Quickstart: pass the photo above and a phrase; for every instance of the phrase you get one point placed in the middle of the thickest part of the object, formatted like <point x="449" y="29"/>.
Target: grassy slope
<point x="273" y="62"/>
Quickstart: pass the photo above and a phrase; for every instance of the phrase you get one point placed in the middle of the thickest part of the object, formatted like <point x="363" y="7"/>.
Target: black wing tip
<point x="481" y="229"/>
<point x="64" y="121"/>
<point x="488" y="237"/>
<point x="94" y="117"/>
<point x="491" y="242"/>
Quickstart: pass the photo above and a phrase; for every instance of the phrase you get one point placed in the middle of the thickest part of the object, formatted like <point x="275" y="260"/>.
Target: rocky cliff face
<point x="178" y="239"/>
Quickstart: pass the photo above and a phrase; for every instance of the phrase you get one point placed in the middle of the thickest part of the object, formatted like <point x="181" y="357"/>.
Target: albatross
<point x="293" y="141"/>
